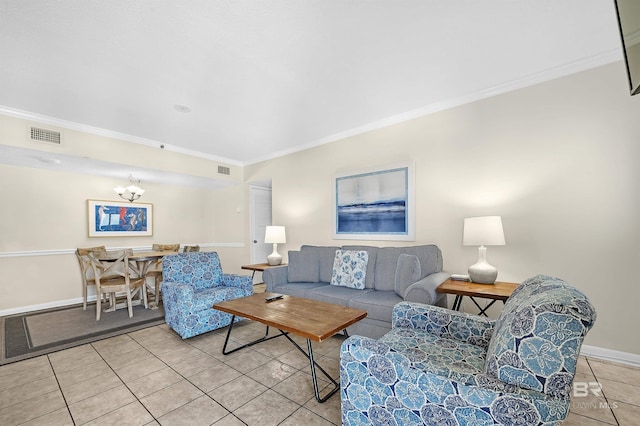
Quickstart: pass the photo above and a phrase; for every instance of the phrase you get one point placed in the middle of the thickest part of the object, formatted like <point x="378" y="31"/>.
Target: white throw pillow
<point x="350" y="268"/>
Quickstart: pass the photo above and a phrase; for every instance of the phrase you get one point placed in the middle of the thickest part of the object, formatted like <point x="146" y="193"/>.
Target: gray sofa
<point x="393" y="275"/>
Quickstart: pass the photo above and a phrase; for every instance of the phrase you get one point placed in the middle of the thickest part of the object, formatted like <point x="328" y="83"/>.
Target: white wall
<point x="558" y="161"/>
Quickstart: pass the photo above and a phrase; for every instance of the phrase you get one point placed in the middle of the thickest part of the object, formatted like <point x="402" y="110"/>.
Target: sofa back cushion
<point x="430" y="258"/>
<point x="407" y="272"/>
<point x="372" y="252"/>
<point x="350" y="268"/>
<point x="202" y="269"/>
<point x="304" y="267"/>
<point x="326" y="255"/>
<point x="536" y="340"/>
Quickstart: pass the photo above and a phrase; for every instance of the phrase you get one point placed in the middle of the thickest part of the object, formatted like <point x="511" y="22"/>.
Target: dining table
<point x="143" y="260"/>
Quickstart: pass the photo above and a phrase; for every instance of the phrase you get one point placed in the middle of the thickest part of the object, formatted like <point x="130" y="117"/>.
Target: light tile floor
<point x="151" y="376"/>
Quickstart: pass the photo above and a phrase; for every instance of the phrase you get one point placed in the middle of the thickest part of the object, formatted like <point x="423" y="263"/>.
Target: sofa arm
<point x="443" y="322"/>
<point x="275" y="276"/>
<point x="234" y="280"/>
<point x="179" y="293"/>
<point x="424" y="291"/>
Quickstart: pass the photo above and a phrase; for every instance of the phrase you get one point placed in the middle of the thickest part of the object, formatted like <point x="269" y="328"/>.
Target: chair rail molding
<point x="58" y="252"/>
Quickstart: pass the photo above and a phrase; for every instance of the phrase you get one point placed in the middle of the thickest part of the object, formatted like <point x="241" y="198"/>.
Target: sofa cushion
<point x="371" y="266"/>
<point x="304" y="267"/>
<point x="336" y="295"/>
<point x="297" y="289"/>
<point x="378" y="304"/>
<point x="430" y="262"/>
<point x="350" y="268"/>
<point x="537" y="338"/>
<point x="407" y="273"/>
<point x="326" y="255"/>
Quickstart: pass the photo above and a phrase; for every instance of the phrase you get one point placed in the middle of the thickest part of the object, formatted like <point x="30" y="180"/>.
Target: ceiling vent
<point x="224" y="170"/>
<point x="38" y="134"/>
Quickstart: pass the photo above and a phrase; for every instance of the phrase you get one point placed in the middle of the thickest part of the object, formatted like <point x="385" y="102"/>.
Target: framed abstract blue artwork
<point x="115" y="219"/>
<point x="375" y="204"/>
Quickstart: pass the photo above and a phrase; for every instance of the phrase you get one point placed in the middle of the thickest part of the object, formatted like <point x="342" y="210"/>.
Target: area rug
<point x="41" y="332"/>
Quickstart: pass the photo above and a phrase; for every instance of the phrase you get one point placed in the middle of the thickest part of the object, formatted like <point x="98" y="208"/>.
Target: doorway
<point x="260" y="212"/>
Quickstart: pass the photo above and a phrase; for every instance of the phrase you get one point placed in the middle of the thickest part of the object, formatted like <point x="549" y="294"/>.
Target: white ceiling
<point x="265" y="78"/>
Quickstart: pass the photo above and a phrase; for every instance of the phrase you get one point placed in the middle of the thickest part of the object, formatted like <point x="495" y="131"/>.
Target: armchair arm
<point x="178" y="292"/>
<point x="444" y="322"/>
<point x="275" y="276"/>
<point x="235" y="280"/>
<point x="424" y="291"/>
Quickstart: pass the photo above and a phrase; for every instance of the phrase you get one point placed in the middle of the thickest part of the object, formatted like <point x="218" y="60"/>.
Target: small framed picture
<point x="116" y="219"/>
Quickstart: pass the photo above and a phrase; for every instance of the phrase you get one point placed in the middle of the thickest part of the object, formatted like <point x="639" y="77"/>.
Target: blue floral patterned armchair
<point x="443" y="367"/>
<point x="192" y="284"/>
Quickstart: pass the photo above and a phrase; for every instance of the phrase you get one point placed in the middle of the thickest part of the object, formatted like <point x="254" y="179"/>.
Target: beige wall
<point x="45" y="212"/>
<point x="558" y="161"/>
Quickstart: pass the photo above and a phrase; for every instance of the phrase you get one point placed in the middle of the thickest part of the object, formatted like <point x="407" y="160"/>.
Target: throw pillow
<point x="350" y="269"/>
<point x="407" y="272"/>
<point x="304" y="267"/>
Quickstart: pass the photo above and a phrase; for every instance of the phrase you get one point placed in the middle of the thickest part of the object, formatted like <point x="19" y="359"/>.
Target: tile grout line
<point x="603" y="393"/>
<point x="123" y="382"/>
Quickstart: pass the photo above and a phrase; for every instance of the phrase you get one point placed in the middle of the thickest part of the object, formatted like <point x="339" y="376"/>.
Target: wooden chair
<point x="114" y="272"/>
<point x="156" y="272"/>
<point x="190" y="249"/>
<point x="85" y="269"/>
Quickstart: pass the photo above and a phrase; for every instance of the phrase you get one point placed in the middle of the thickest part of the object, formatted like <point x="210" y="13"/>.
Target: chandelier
<point x="131" y="192"/>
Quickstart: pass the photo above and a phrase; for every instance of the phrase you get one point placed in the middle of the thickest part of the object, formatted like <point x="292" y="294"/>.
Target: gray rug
<point x="38" y="333"/>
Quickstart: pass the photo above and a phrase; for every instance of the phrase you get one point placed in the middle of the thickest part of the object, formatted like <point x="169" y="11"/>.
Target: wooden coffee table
<point x="310" y="319"/>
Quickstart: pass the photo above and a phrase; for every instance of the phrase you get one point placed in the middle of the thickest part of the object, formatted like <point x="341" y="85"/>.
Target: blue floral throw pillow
<point x="350" y="268"/>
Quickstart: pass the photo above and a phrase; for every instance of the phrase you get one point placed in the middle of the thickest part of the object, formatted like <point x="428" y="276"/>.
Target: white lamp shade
<point x="275" y="234"/>
<point x="483" y="231"/>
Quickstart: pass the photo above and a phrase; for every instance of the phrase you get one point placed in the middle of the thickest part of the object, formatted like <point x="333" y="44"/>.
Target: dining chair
<point x="156" y="271"/>
<point x="86" y="271"/>
<point x="191" y="249"/>
<point x="115" y="273"/>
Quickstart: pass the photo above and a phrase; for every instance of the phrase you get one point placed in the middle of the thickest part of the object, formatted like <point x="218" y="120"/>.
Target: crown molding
<point x="71" y="125"/>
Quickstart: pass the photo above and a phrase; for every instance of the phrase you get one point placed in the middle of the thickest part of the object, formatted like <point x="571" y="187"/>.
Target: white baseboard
<point x="48" y="305"/>
<point x="610" y="355"/>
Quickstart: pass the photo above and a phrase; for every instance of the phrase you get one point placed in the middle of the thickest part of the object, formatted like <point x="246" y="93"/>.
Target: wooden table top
<point x="498" y="290"/>
<point x="307" y="318"/>
<point x="260" y="266"/>
<point x="150" y="254"/>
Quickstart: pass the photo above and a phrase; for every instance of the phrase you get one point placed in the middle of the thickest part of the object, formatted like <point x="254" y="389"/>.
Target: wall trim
<point x="56" y="252"/>
<point x="610" y="355"/>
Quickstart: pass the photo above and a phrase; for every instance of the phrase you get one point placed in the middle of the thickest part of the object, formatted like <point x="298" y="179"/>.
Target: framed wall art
<point x="375" y="204"/>
<point x="116" y="219"/>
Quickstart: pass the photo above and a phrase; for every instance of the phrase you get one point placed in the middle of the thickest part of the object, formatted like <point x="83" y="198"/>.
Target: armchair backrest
<point x="537" y="338"/>
<point x="202" y="269"/>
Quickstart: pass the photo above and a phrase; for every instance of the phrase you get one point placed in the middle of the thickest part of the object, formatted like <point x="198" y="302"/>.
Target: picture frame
<point x="375" y="204"/>
<point x="119" y="219"/>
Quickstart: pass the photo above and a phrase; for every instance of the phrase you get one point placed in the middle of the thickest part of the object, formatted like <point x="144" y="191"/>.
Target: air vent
<point x="38" y="134"/>
<point x="224" y="170"/>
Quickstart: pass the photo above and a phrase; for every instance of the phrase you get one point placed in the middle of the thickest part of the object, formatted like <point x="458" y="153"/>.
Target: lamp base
<point x="275" y="258"/>
<point x="481" y="272"/>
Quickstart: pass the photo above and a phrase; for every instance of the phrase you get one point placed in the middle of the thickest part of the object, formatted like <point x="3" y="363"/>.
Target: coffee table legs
<point x="308" y="354"/>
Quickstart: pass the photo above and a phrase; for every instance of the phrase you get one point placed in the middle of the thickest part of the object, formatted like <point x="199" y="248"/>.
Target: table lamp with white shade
<point x="275" y="235"/>
<point x="483" y="231"/>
